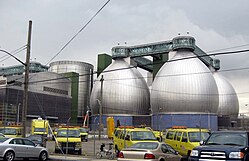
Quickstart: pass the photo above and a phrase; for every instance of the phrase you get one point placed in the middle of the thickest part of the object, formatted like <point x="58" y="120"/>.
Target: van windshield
<point x="40" y="130"/>
<point x="84" y="130"/>
<point x="8" y="131"/>
<point x="142" y="135"/>
<point x="197" y="136"/>
<point x="71" y="133"/>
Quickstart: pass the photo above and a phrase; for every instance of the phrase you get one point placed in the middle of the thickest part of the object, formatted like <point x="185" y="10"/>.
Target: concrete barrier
<point x="50" y="145"/>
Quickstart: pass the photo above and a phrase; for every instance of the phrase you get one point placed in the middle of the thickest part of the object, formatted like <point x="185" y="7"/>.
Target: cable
<point x="228" y="48"/>
<point x="75" y="34"/>
<point x="229" y="52"/>
<point x="222" y="53"/>
<point x="214" y="54"/>
<point x="13" y="53"/>
<point x="78" y="32"/>
<point x="232" y="52"/>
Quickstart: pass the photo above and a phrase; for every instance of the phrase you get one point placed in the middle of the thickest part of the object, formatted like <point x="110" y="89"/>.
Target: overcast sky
<point x="214" y="24"/>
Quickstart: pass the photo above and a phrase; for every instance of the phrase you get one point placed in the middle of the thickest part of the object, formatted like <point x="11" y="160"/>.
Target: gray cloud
<point x="214" y="24"/>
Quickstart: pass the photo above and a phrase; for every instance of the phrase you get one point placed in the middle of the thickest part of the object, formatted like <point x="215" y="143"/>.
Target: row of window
<point x="53" y="90"/>
<point x="177" y="135"/>
<point x="185" y="136"/>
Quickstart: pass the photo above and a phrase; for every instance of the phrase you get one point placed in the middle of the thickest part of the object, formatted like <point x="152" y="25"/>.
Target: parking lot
<point x="89" y="148"/>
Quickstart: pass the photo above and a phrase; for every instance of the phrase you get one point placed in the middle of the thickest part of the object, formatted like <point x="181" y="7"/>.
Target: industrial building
<point x="57" y="93"/>
<point x="49" y="97"/>
<point x="185" y="90"/>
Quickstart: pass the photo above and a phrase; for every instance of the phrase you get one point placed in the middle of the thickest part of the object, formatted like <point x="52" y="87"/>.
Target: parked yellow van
<point x="125" y="136"/>
<point x="184" y="139"/>
<point x="12" y="131"/>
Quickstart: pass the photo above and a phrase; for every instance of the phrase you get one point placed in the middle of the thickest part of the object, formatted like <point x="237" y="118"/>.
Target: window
<point x="145" y="145"/>
<point x="197" y="136"/>
<point x="235" y="139"/>
<point x="179" y="134"/>
<point x="176" y="135"/>
<point x="68" y="133"/>
<point x="167" y="149"/>
<point x="143" y="135"/>
<point x="53" y="90"/>
<point x="164" y="148"/>
<point x="28" y="142"/>
<point x="184" y="137"/>
<point x="3" y="139"/>
<point x="122" y="135"/>
<point x="170" y="135"/>
<point x="117" y="132"/>
<point x="128" y="136"/>
<point x="16" y="141"/>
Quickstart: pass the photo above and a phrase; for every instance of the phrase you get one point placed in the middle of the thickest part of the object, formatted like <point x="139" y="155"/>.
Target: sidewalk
<point x="88" y="150"/>
<point x="75" y="158"/>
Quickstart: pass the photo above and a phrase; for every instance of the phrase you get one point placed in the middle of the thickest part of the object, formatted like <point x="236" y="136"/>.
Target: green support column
<point x="104" y="60"/>
<point x="158" y="62"/>
<point x="74" y="77"/>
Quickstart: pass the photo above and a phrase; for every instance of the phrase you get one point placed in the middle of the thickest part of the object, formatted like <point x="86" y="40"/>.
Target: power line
<point x="223" y="53"/>
<point x="191" y="57"/>
<point x="228" y="48"/>
<point x="154" y="63"/>
<point x="9" y="54"/>
<point x="78" y="32"/>
<point x="229" y="52"/>
<point x="6" y="56"/>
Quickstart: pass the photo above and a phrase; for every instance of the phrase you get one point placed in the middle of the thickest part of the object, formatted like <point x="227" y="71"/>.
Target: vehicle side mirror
<point x="176" y="152"/>
<point x="202" y="142"/>
<point x="127" y="137"/>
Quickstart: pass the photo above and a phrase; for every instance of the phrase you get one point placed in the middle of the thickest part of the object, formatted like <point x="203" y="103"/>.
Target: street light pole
<point x="26" y="80"/>
<point x="100" y="117"/>
<point x="67" y="134"/>
<point x="100" y="107"/>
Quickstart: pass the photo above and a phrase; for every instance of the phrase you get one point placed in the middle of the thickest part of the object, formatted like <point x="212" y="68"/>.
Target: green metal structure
<point x="74" y="77"/>
<point x="158" y="51"/>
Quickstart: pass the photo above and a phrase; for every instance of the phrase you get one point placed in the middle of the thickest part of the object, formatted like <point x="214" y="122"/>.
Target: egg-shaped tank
<point x="123" y="91"/>
<point x="184" y="85"/>
<point x="228" y="100"/>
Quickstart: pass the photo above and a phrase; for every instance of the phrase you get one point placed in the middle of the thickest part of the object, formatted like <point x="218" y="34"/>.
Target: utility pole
<point x="26" y="81"/>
